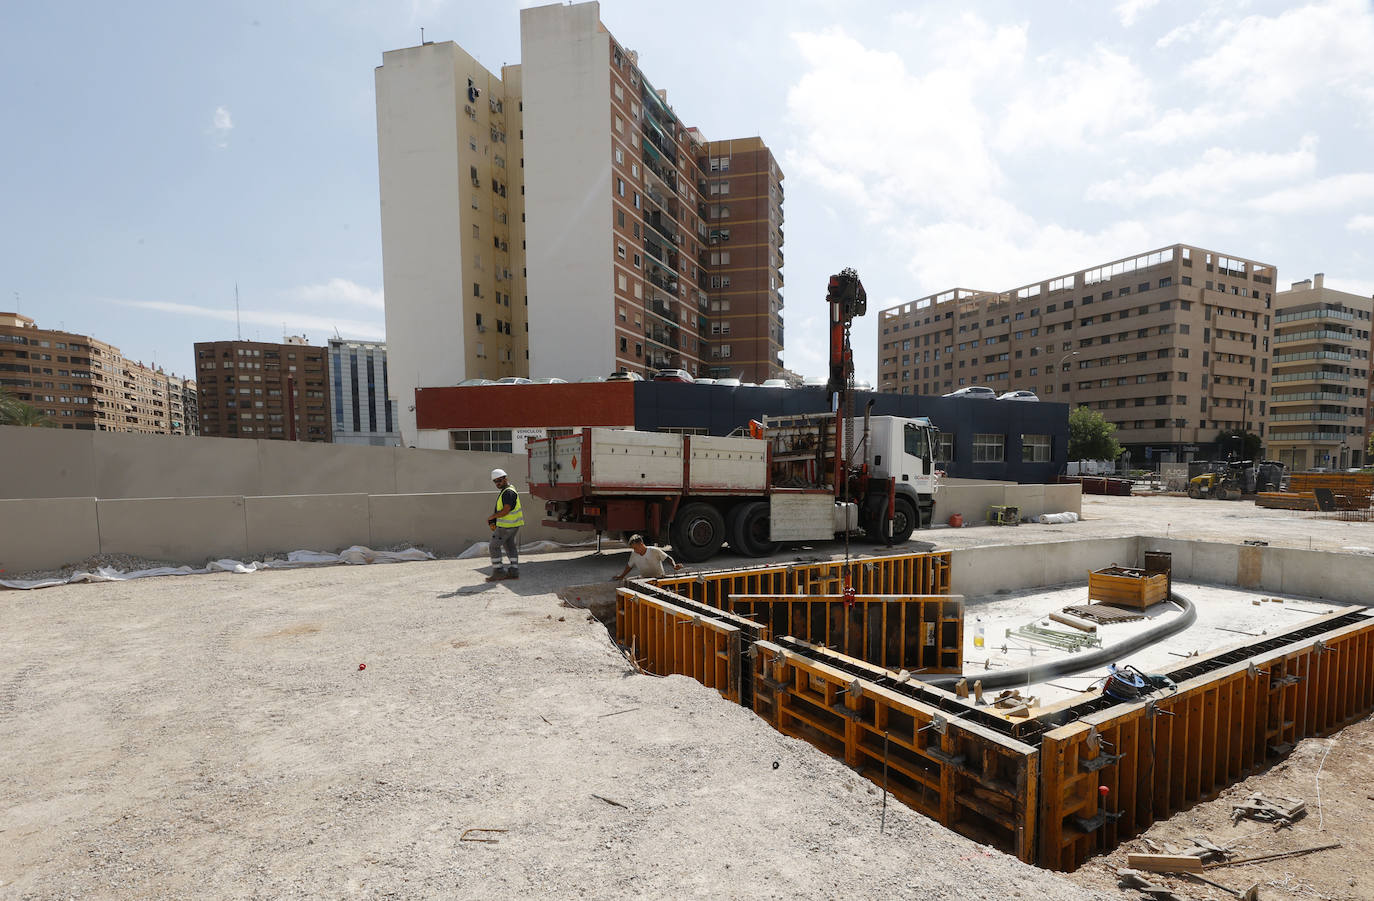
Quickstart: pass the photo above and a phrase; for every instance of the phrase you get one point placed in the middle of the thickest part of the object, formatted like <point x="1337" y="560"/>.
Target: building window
<point x="488" y="440"/>
<point x="946" y="452"/>
<point x="1035" y="448"/>
<point x="989" y="448"/>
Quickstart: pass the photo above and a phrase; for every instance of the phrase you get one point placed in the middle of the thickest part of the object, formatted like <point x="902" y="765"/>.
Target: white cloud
<point x="221" y="125"/>
<point x="1324" y="194"/>
<point x="288" y="320"/>
<point x="339" y="291"/>
<point x="1219" y="171"/>
<point x="1363" y="223"/>
<point x="1266" y="62"/>
<point x="1068" y="101"/>
<point x="1129" y="10"/>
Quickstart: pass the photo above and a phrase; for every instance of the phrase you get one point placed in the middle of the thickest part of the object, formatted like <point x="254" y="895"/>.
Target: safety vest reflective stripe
<point x="515" y="518"/>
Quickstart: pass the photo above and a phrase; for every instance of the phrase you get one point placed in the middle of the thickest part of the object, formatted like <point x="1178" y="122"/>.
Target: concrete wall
<point x="972" y="499"/>
<point x="1320" y="574"/>
<point x="983" y="571"/>
<point x="49" y="463"/>
<point x="47" y="533"/>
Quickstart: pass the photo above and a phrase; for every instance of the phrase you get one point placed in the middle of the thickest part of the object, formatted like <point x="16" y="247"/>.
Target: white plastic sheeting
<point x="355" y="555"/>
<point x="1047" y="518"/>
<point x="481" y="548"/>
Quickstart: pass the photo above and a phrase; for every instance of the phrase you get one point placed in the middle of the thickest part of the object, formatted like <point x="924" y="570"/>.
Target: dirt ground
<point x="1345" y="763"/>
<point x="215" y="736"/>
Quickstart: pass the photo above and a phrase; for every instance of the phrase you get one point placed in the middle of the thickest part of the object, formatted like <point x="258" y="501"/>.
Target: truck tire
<point x="903" y="520"/>
<point x="697" y="532"/>
<point x="749" y="534"/>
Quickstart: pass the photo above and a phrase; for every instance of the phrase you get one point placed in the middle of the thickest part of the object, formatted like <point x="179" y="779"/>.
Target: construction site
<point x="741" y="729"/>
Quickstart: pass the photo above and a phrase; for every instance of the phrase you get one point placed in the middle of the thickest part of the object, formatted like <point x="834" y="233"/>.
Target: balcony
<point x="667" y="284"/>
<point x="1312" y="355"/>
<point x="658" y="254"/>
<point x="1304" y="436"/>
<point x="1318" y="375"/>
<point x="1315" y="314"/>
<point x="664" y="225"/>
<point x="1312" y="416"/>
<point x="655" y="164"/>
<point x="1309" y="397"/>
<point x="1321" y="335"/>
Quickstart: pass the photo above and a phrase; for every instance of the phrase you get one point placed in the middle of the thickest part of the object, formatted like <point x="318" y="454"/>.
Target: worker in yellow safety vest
<point x="505" y="525"/>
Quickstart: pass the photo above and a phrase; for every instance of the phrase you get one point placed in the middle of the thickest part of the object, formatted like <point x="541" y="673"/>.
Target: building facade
<point x="1319" y="393"/>
<point x="362" y="411"/>
<point x="183" y="411"/>
<point x="80" y="382"/>
<point x="561" y="220"/>
<point x="249" y="389"/>
<point x="1172" y="345"/>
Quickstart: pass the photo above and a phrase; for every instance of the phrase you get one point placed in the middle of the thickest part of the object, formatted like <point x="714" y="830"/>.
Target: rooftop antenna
<point x="238" y="323"/>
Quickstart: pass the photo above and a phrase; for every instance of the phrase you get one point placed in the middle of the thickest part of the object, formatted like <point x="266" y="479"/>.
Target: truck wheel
<point x="903" y="520"/>
<point x="698" y="531"/>
<point x="750" y="533"/>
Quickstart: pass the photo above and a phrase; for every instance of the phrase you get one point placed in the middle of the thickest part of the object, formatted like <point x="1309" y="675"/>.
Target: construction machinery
<point x="802" y="477"/>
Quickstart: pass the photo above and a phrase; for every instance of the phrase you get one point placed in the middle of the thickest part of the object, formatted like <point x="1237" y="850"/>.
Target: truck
<point x="803" y="477"/>
<point x="781" y="483"/>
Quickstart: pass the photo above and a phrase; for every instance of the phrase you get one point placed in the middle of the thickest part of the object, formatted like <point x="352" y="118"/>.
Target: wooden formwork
<point x="918" y="633"/>
<point x="1161" y="756"/>
<point x="667" y="639"/>
<point x="968" y="777"/>
<point x="927" y="573"/>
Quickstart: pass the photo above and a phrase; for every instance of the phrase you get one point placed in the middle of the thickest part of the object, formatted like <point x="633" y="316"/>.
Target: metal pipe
<point x="1077" y="663"/>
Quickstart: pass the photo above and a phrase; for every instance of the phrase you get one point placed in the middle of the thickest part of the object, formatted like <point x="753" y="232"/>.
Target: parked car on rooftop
<point x="1019" y="395"/>
<point x="624" y="377"/>
<point x="775" y="383"/>
<point x="729" y="383"/>
<point x="512" y="380"/>
<point x="472" y="383"/>
<point x="673" y="375"/>
<point x="554" y="381"/>
<point x="981" y="391"/>
<point x="705" y="381"/>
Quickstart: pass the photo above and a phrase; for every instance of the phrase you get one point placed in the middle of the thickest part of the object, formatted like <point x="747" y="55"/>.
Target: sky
<point x="173" y="151"/>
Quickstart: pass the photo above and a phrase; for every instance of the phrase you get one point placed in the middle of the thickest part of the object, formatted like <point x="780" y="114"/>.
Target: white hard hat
<point x="498" y="474"/>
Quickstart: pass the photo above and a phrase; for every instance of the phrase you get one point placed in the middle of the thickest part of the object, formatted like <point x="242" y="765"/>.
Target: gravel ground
<point x="215" y="736"/>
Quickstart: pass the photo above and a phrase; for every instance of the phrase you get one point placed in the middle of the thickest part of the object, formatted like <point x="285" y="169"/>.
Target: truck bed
<point x="622" y="461"/>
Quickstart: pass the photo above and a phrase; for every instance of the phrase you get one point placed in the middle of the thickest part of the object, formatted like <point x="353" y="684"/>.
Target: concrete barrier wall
<point x="972" y="499"/>
<point x="1320" y="574"/>
<point x="175" y="529"/>
<point x="982" y="571"/>
<point x="47" y="463"/>
<point x="47" y="533"/>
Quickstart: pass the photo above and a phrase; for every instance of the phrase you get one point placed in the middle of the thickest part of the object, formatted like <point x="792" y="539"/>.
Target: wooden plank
<point x="1164" y="863"/>
<point x="1069" y="619"/>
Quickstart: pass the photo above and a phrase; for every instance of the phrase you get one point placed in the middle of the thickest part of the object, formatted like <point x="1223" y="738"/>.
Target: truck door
<point x="917" y="445"/>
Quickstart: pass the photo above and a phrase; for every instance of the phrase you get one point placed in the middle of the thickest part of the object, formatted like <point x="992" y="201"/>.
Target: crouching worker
<point x="505" y="528"/>
<point x="647" y="562"/>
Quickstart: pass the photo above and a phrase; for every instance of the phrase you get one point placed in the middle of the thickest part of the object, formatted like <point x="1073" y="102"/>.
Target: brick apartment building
<point x="1319" y="391"/>
<point x="250" y="389"/>
<point x="80" y="382"/>
<point x="560" y="220"/>
<point x="1172" y="345"/>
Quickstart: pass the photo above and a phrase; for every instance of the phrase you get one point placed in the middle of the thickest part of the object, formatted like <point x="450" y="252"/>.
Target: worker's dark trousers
<point x="509" y="539"/>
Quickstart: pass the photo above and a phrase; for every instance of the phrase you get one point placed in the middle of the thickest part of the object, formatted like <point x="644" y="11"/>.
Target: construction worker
<point x="505" y="528"/>
<point x="647" y="562"/>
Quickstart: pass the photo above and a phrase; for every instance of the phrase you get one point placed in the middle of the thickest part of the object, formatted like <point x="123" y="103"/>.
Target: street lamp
<point x="1060" y="365"/>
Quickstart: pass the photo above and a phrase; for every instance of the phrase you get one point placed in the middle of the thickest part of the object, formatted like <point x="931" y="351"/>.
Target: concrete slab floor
<point x="1223" y="614"/>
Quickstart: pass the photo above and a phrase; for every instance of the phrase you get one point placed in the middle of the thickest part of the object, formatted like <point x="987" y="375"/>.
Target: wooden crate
<point x="1122" y="586"/>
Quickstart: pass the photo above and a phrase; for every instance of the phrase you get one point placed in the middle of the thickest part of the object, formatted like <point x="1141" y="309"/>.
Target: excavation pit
<point x="1026" y="777"/>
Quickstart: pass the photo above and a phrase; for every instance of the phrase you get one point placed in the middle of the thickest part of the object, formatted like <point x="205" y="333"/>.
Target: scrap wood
<point x="1132" y="879"/>
<point x="1078" y="623"/>
<point x="1258" y="807"/>
<point x="609" y="801"/>
<point x="1261" y="858"/>
<point x="1165" y="863"/>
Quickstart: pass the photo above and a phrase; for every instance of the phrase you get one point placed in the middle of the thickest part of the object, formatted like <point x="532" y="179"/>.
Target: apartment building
<point x="1319" y="392"/>
<point x="1171" y="345"/>
<point x="80" y="382"/>
<point x="183" y="410"/>
<point x="362" y="411"/>
<point x="576" y="233"/>
<point x="250" y="389"/>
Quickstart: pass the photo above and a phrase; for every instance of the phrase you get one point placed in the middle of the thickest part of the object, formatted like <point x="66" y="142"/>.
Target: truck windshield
<point x="917" y="441"/>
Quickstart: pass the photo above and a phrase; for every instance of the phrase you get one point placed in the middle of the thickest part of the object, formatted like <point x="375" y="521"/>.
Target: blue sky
<point x="157" y="153"/>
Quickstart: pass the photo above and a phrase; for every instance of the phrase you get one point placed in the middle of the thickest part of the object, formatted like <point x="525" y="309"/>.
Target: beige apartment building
<point x="80" y="382"/>
<point x="251" y="389"/>
<point x="562" y="221"/>
<point x="1171" y="345"/>
<point x="1319" y="392"/>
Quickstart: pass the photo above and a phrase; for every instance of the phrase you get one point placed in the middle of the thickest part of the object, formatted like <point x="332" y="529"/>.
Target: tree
<point x="14" y="411"/>
<point x="1248" y="446"/>
<point x="1091" y="437"/>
